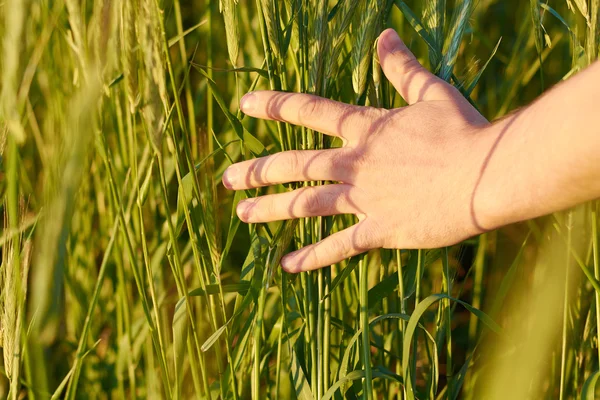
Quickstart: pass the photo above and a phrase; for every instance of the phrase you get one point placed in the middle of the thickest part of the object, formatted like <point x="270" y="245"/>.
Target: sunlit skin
<point x="427" y="175"/>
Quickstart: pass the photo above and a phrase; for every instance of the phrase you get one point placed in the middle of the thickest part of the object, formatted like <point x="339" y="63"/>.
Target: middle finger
<point x="288" y="166"/>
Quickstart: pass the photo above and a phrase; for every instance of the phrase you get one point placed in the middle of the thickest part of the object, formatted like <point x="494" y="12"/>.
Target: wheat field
<point x="126" y="273"/>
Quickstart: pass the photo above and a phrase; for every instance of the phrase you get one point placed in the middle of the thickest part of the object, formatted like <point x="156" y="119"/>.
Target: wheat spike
<point x="229" y="10"/>
<point x="155" y="86"/>
<point x="341" y="24"/>
<point x="459" y="22"/>
<point x="13" y="286"/>
<point x="270" y="11"/>
<point x="9" y="309"/>
<point x="318" y="40"/>
<point x="361" y="52"/>
<point x="14" y="21"/>
<point x="435" y="18"/>
<point x="129" y="44"/>
<point x="293" y="12"/>
<point x="593" y="36"/>
<point x="3" y="137"/>
<point x="103" y="17"/>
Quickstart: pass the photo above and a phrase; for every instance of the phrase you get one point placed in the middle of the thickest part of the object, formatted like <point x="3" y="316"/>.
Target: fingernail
<point x="248" y="102"/>
<point x="391" y="41"/>
<point x="287" y="263"/>
<point x="230" y="177"/>
<point x="243" y="210"/>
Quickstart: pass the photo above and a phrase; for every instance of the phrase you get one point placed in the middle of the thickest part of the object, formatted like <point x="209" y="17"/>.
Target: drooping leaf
<point x="213" y="338"/>
<point x="180" y="332"/>
<point x="342" y="276"/>
<point x="250" y="141"/>
<point x="414" y="321"/>
<point x="476" y="78"/>
<point x="588" y="391"/>
<point x="382" y="290"/>
<point x="301" y="385"/>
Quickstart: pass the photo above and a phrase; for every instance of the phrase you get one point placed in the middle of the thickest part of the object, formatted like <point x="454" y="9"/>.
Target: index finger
<point x="317" y="113"/>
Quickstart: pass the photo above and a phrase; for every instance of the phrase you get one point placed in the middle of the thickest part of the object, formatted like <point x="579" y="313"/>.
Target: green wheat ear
<point x="230" y="16"/>
<point x="362" y="49"/>
<point x="130" y="50"/>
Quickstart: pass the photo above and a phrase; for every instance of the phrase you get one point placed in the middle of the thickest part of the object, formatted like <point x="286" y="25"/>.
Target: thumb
<point x="413" y="81"/>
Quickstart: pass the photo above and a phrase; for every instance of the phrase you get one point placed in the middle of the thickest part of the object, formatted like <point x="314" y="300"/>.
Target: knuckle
<point x="313" y="203"/>
<point x="311" y="109"/>
<point x="314" y="257"/>
<point x="363" y="239"/>
<point x="325" y="202"/>
<point x="342" y="246"/>
<point x="374" y="114"/>
<point x="407" y="65"/>
<point x="336" y="160"/>
<point x="364" y="117"/>
<point x="253" y="170"/>
<point x="358" y="163"/>
<point x="343" y="162"/>
<point x="293" y="161"/>
<point x="370" y="121"/>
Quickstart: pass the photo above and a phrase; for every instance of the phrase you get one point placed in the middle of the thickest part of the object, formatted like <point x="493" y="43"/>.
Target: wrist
<point x="493" y="201"/>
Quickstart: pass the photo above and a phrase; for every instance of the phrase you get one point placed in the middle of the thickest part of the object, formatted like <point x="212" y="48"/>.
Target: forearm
<point x="542" y="159"/>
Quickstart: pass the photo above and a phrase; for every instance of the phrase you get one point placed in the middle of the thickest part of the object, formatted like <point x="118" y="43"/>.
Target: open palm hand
<point x="407" y="173"/>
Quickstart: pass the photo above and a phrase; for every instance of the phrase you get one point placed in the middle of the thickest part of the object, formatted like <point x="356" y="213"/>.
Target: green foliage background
<point x="124" y="275"/>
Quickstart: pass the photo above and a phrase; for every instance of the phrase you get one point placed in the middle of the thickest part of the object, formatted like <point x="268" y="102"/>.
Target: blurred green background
<point x="125" y="275"/>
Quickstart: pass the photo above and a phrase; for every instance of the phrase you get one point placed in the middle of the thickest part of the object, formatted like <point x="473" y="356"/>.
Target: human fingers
<point x="335" y="248"/>
<point x="413" y="81"/>
<point x="323" y="115"/>
<point x="288" y="166"/>
<point x="311" y="201"/>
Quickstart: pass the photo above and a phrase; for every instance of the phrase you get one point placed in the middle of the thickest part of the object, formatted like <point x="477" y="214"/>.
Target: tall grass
<point x="126" y="273"/>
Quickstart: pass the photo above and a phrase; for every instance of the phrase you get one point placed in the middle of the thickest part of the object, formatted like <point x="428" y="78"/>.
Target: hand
<point x="408" y="174"/>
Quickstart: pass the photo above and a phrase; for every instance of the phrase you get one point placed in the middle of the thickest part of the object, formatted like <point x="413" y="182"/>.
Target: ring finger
<point x="309" y="201"/>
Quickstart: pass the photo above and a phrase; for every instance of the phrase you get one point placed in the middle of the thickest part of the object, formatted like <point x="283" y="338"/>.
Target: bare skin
<point x="427" y="175"/>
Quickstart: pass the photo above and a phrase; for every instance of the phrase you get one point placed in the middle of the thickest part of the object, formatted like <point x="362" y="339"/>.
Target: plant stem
<point x="448" y="323"/>
<point x="14" y="265"/>
<point x="401" y="322"/>
<point x="477" y="285"/>
<point x="595" y="248"/>
<point x="563" y="358"/>
<point x="258" y="334"/>
<point x="364" y="323"/>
